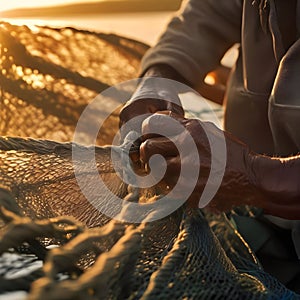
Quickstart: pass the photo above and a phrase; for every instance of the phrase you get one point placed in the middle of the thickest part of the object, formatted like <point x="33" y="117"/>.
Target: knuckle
<point x="145" y="150"/>
<point x="151" y="123"/>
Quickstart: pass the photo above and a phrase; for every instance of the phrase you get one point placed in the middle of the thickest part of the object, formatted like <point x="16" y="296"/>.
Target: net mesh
<point x="48" y="77"/>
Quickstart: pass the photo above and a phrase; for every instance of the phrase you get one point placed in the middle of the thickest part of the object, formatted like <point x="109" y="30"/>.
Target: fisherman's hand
<point x="151" y="96"/>
<point x="236" y="187"/>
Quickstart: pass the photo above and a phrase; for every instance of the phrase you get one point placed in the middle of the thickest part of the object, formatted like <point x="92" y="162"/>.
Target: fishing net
<point x="54" y="243"/>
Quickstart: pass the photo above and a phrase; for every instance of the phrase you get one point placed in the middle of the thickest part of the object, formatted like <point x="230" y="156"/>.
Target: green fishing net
<point x="48" y="76"/>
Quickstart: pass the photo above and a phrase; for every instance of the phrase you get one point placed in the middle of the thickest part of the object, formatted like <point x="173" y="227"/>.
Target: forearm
<point x="270" y="183"/>
<point x="278" y="180"/>
<point x="214" y="93"/>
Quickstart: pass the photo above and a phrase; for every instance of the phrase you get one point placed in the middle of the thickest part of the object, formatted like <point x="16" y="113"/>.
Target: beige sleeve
<point x="197" y="38"/>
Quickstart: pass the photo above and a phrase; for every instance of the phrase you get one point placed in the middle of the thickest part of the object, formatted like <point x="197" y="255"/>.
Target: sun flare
<point x="12" y="4"/>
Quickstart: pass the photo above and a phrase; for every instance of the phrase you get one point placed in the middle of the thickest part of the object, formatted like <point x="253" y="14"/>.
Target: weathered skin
<point x="266" y="182"/>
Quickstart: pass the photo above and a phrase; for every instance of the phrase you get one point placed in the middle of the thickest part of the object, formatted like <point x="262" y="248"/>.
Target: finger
<point x="170" y="113"/>
<point x="173" y="171"/>
<point x="290" y="211"/>
<point x="187" y="186"/>
<point x="163" y="123"/>
<point x="176" y="108"/>
<point x="167" y="183"/>
<point x="175" y="167"/>
<point x="141" y="106"/>
<point x="186" y="189"/>
<point x="158" y="145"/>
<point x="193" y="200"/>
<point x="135" y="112"/>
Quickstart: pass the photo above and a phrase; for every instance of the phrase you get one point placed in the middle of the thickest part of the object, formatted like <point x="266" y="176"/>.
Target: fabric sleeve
<point x="197" y="38"/>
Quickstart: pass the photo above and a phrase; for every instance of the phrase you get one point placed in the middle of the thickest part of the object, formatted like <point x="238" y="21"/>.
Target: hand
<point x="143" y="108"/>
<point x="153" y="94"/>
<point x="236" y="186"/>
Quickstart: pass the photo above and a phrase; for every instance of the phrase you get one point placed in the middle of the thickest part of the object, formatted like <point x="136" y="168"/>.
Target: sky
<point x="5" y="4"/>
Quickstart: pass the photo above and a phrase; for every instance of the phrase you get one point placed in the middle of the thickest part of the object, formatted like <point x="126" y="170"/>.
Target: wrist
<point x="237" y="188"/>
<point x="159" y="86"/>
<point x="164" y="71"/>
<point x="264" y="175"/>
<point x="277" y="177"/>
<point x="155" y="88"/>
<point x="240" y="185"/>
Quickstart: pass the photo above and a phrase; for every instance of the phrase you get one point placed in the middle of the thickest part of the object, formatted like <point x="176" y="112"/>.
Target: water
<point x="145" y="27"/>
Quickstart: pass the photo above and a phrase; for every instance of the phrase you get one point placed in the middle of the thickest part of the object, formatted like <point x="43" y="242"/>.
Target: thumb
<point x="163" y="123"/>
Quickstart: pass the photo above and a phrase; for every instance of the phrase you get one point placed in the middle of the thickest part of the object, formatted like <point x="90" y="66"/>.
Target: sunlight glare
<point x="12" y="4"/>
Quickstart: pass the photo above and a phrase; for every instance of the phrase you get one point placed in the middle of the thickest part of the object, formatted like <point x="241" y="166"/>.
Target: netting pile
<point x="48" y="77"/>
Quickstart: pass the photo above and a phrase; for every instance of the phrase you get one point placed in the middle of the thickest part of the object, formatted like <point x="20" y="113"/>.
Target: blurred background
<point x="143" y="20"/>
<point x="47" y="70"/>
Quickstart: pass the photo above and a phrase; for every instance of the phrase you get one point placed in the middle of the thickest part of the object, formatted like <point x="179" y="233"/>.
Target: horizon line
<point x="100" y="7"/>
